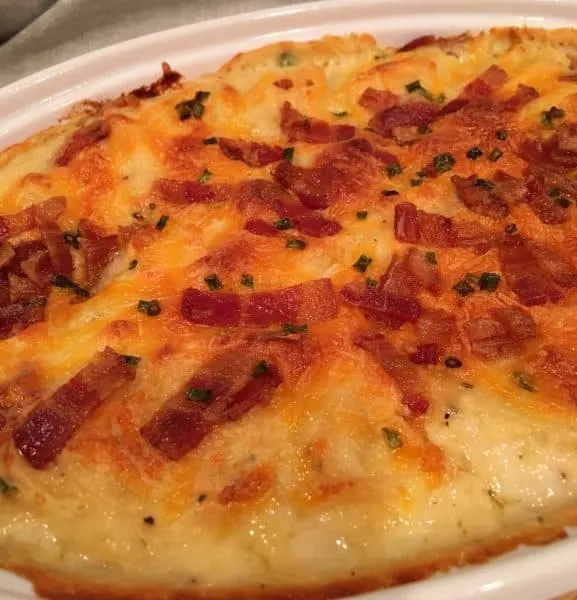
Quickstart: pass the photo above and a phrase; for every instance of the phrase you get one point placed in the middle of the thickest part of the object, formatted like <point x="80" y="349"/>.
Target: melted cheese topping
<point x="489" y="460"/>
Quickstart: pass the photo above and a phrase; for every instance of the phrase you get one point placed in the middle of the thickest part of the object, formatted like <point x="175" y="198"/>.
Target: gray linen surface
<point x="46" y="32"/>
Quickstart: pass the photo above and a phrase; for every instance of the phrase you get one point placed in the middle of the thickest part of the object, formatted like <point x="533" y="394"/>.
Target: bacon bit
<point x="317" y="226"/>
<point x="49" y="427"/>
<point x="90" y="230"/>
<point x="569" y="77"/>
<point x="309" y="302"/>
<point x="403" y="115"/>
<point x="248" y="487"/>
<point x="6" y="253"/>
<point x="425" y="354"/>
<point x="181" y="424"/>
<point x="98" y="254"/>
<point x="480" y="199"/>
<point x="418" y="227"/>
<point x="559" y="151"/>
<point x="522" y="96"/>
<point x="22" y="288"/>
<point x="300" y="128"/>
<point x="80" y="140"/>
<point x="487" y="83"/>
<point x="27" y="219"/>
<point x="419" y="42"/>
<point x="524" y="274"/>
<point x="168" y="80"/>
<point x="260" y="227"/>
<point x="561" y="270"/>
<point x="380" y="304"/>
<point x="546" y="209"/>
<point x="559" y="364"/>
<point x="511" y="189"/>
<point x="184" y="191"/>
<point x="283" y="84"/>
<point x="426" y="274"/>
<point x="316" y="188"/>
<point x="253" y="154"/>
<point x="502" y="334"/>
<point x="58" y="249"/>
<point x="257" y="195"/>
<point x="398" y="279"/>
<point x="435" y="326"/>
<point x="452" y="107"/>
<point x="20" y="315"/>
<point x="38" y="268"/>
<point x="403" y="373"/>
<point x="377" y="100"/>
<point x="23" y="252"/>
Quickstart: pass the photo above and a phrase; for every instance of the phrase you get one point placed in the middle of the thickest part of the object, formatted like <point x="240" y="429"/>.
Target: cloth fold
<point x="52" y="31"/>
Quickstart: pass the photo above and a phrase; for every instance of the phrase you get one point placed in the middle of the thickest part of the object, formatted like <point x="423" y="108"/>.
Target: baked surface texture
<point x="301" y="328"/>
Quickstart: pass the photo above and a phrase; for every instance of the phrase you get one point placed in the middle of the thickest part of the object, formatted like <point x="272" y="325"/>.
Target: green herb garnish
<point x="415" y="86"/>
<point x="287" y="59"/>
<point x="199" y="395"/>
<point x="161" y="223"/>
<point x="362" y="214"/>
<point x="341" y="113"/>
<point x="431" y="257"/>
<point x="133" y="361"/>
<point x="72" y="239"/>
<point x="209" y="141"/>
<point x="192" y="108"/>
<point x="213" y="282"/>
<point x="282" y="224"/>
<point x="524" y="381"/>
<point x="247" y="280"/>
<point x="394" y="170"/>
<point x="290" y="328"/>
<point x="443" y="162"/>
<point x="288" y="153"/>
<point x="501" y="135"/>
<point x="260" y="369"/>
<point x="204" y="176"/>
<point x="362" y="263"/>
<point x="296" y="243"/>
<point x="463" y="288"/>
<point x="132" y="264"/>
<point x="392" y="437"/>
<point x="495" y="154"/>
<point x="488" y="282"/>
<point x="7" y="488"/>
<point x="452" y="362"/>
<point x="548" y="116"/>
<point x="474" y="153"/>
<point x="371" y="282"/>
<point x="390" y="193"/>
<point x="149" y="307"/>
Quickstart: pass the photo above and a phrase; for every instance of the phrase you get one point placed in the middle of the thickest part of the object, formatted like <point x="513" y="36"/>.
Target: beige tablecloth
<point x="41" y="33"/>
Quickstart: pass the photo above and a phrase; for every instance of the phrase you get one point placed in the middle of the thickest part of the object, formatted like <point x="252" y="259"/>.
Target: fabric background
<point x="35" y="34"/>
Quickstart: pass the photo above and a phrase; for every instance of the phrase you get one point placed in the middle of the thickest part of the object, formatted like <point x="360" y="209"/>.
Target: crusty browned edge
<point x="63" y="586"/>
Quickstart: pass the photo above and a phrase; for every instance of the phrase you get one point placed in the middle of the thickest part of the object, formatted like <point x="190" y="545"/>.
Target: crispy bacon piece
<point x="283" y="84"/>
<point x="257" y="195"/>
<point x="500" y="335"/>
<point x="546" y="209"/>
<point x="399" y="368"/>
<point x="394" y="309"/>
<point x="168" y="80"/>
<point x="425" y="354"/>
<point x="27" y="219"/>
<point x="562" y="366"/>
<point x="403" y="115"/>
<point x="6" y="253"/>
<point x="248" y="487"/>
<point x="260" y="227"/>
<point x="418" y="42"/>
<point x="430" y="229"/>
<point x="560" y="269"/>
<point x="254" y="154"/>
<point x="98" y="254"/>
<point x="511" y="189"/>
<point x="377" y="100"/>
<point x="58" y="249"/>
<point x="419" y="227"/>
<point x="189" y="192"/>
<point x="558" y="152"/>
<point x="523" y="273"/>
<point x="452" y="107"/>
<point x="480" y="197"/>
<point x="424" y="272"/>
<point x="46" y="431"/>
<point x="19" y="315"/>
<point x="487" y="83"/>
<point x="309" y="302"/>
<point x="90" y="230"/>
<point x="435" y="326"/>
<point x="82" y="139"/>
<point x="300" y="128"/>
<point x="188" y="417"/>
<point x="316" y="188"/>
<point x="38" y="268"/>
<point x="523" y="95"/>
<point x="317" y="226"/>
